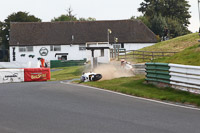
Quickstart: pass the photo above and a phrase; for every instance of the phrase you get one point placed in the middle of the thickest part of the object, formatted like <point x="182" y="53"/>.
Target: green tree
<point x="87" y="19"/>
<point x="175" y="12"/>
<point x="158" y="23"/>
<point x="68" y="17"/>
<point x="14" y="17"/>
<point x="71" y="17"/>
<point x="145" y="20"/>
<point x="64" y="18"/>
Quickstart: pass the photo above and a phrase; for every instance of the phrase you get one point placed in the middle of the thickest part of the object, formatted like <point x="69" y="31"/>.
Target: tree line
<point x="161" y="14"/>
<point x="26" y="17"/>
<point x="157" y="15"/>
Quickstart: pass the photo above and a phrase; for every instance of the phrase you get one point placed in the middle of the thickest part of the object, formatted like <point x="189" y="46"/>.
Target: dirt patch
<point x="113" y="70"/>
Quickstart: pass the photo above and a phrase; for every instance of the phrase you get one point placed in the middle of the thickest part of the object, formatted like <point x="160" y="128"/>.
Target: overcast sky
<point x="99" y="9"/>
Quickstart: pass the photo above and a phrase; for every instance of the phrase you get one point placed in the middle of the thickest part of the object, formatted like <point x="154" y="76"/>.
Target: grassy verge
<point x="135" y="86"/>
<point x="176" y="44"/>
<point x="186" y="46"/>
<point x="189" y="56"/>
<point x="67" y="73"/>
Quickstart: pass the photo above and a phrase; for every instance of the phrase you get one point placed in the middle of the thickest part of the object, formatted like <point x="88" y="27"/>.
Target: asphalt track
<point x="54" y="107"/>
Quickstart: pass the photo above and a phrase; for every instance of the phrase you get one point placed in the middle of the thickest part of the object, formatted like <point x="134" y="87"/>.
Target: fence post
<point x="143" y="55"/>
<point x="115" y="52"/>
<point x="125" y="54"/>
<point x="152" y="56"/>
<point x="112" y="53"/>
<point x="118" y="54"/>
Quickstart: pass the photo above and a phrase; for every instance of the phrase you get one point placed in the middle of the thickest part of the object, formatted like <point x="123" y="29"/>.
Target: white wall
<point x="136" y="46"/>
<point x="11" y="65"/>
<point x="97" y="53"/>
<point x="73" y="53"/>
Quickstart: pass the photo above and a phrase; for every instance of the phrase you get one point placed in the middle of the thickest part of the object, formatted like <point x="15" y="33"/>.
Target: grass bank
<point x="186" y="46"/>
<point x="177" y="44"/>
<point x="66" y="73"/>
<point x="135" y="86"/>
<point x="189" y="56"/>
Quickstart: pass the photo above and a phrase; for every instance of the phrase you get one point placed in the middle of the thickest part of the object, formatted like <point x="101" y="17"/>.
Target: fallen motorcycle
<point x="90" y="76"/>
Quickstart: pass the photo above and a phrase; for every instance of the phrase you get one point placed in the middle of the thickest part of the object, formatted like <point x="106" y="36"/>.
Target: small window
<point x="116" y="46"/>
<point x="82" y="48"/>
<point x="22" y="49"/>
<point x="102" y="52"/>
<point x="122" y="45"/>
<point x="26" y="49"/>
<point x="55" y="48"/>
<point x="51" y="48"/>
<point x="29" y="48"/>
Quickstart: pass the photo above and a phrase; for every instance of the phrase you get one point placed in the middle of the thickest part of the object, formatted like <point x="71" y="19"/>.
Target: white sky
<point x="99" y="9"/>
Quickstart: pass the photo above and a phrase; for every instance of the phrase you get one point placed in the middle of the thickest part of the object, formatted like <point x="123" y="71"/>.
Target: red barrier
<point x="36" y="74"/>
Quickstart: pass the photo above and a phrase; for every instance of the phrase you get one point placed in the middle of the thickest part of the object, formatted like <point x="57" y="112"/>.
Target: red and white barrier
<point x="24" y="75"/>
<point x="36" y="74"/>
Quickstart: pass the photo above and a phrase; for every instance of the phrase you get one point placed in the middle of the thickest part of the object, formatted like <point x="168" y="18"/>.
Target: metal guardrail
<point x="185" y="76"/>
<point x="157" y="72"/>
<point x="182" y="77"/>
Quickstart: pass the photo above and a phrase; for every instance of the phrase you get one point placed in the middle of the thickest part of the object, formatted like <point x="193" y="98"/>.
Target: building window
<point x="25" y="48"/>
<point x="122" y="45"/>
<point x="29" y="48"/>
<point x="116" y="46"/>
<point x="81" y="48"/>
<point x="55" y="48"/>
<point x="102" y="52"/>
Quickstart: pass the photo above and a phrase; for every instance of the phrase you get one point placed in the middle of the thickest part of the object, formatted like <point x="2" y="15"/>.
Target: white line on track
<point x="160" y="102"/>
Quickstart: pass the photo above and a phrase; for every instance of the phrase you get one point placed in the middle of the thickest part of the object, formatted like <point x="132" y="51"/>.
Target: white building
<point x="30" y="41"/>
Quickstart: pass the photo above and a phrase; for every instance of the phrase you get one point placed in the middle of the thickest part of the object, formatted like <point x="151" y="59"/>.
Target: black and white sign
<point x="11" y="75"/>
<point x="43" y="51"/>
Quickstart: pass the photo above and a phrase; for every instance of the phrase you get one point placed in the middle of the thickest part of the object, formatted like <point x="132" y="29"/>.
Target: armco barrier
<point x="36" y="74"/>
<point x="11" y="75"/>
<point x="157" y="72"/>
<point x="185" y="77"/>
<point x="182" y="77"/>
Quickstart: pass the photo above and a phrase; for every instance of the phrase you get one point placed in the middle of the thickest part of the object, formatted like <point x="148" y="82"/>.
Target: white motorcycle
<point x="90" y="76"/>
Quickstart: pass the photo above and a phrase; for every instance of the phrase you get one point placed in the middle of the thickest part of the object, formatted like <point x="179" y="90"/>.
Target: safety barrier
<point x="24" y="75"/>
<point x="182" y="77"/>
<point x="157" y="72"/>
<point x="11" y="75"/>
<point x="36" y="74"/>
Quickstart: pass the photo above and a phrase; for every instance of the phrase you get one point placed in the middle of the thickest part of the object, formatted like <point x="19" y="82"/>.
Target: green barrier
<point x="157" y="72"/>
<point x="59" y="63"/>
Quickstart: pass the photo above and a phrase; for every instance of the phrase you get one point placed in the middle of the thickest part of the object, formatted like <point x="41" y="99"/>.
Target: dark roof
<point x="57" y="33"/>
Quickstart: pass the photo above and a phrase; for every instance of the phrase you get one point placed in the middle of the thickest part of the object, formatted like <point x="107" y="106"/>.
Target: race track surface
<point x="52" y="107"/>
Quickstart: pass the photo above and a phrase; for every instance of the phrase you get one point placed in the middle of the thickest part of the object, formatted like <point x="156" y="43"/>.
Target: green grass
<point x="186" y="46"/>
<point x="67" y="73"/>
<point x="189" y="56"/>
<point x="135" y="86"/>
<point x="174" y="45"/>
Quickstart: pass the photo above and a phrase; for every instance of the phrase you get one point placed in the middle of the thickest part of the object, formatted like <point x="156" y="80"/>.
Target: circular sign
<point x="43" y="51"/>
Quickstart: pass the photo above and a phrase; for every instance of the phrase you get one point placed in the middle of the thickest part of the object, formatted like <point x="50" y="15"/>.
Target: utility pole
<point x="108" y="34"/>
